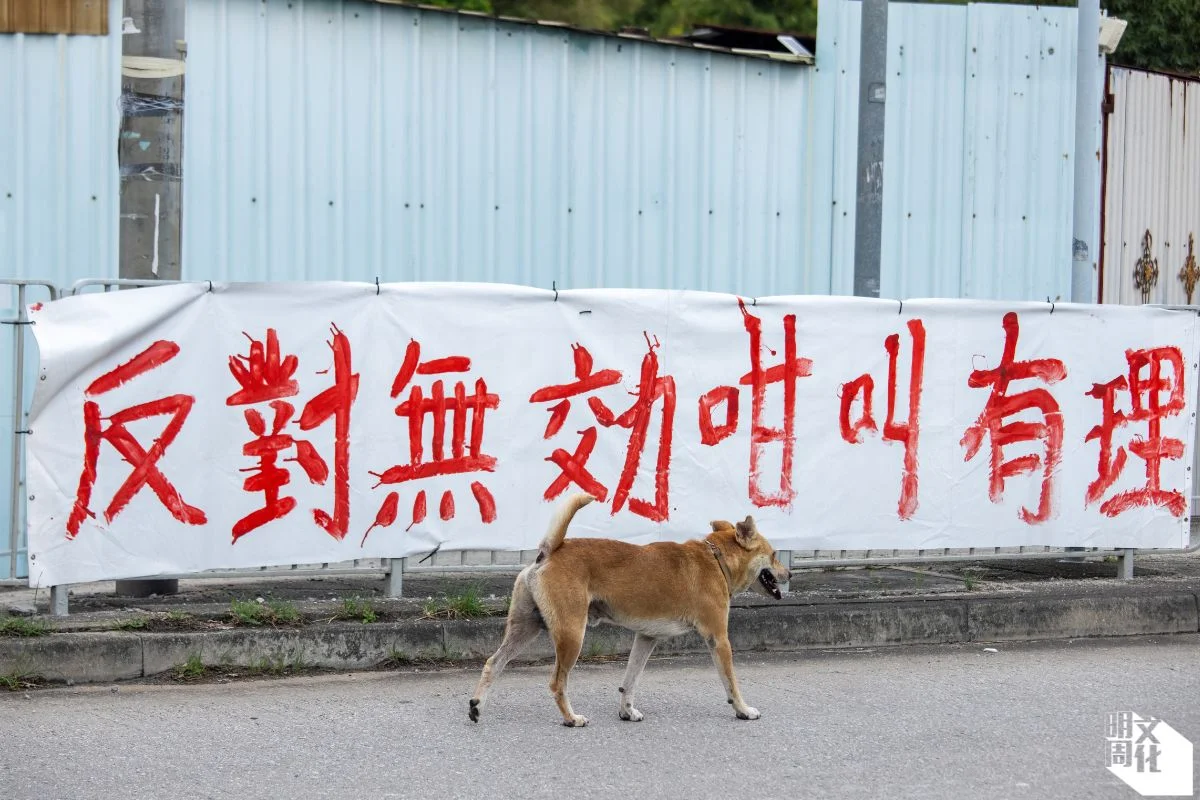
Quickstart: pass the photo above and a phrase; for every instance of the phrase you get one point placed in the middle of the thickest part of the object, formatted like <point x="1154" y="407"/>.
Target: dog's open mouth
<point x="767" y="579"/>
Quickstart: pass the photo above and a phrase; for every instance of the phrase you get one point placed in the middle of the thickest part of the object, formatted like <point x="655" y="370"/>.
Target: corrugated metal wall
<point x="978" y="170"/>
<point x="1152" y="182"/>
<point x="351" y="140"/>
<point x="59" y="119"/>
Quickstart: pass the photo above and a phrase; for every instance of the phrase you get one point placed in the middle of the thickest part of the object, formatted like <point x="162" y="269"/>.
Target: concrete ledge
<point x="1078" y="617"/>
<point x="95" y="657"/>
<point x="75" y="657"/>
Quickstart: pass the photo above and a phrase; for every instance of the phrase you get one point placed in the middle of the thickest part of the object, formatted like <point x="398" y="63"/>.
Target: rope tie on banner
<point x="210" y="286"/>
<point x="901" y="311"/>
<point x="432" y="554"/>
<point x="1048" y="300"/>
<point x="554" y="286"/>
<point x="377" y="286"/>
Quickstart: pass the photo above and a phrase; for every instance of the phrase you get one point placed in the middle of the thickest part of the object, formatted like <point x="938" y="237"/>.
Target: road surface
<point x="922" y="722"/>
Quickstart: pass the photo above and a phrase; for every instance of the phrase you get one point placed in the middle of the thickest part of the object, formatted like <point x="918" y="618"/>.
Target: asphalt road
<point x="929" y="722"/>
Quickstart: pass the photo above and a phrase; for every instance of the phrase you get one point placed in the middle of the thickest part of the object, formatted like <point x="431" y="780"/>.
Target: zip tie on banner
<point x="554" y="286"/>
<point x="210" y="286"/>
<point x="431" y="555"/>
<point x="901" y="311"/>
<point x="376" y="285"/>
<point x="1048" y="300"/>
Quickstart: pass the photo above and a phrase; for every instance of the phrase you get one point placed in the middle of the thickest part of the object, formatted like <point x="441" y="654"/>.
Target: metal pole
<point x="16" y="500"/>
<point x="872" y="94"/>
<point x="1087" y="156"/>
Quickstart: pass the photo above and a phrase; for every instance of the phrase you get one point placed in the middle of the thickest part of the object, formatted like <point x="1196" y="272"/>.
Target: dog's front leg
<point x="722" y="655"/>
<point x="638" y="655"/>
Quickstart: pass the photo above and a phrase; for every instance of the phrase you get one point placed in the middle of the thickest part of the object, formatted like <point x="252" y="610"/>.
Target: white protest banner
<point x="182" y="428"/>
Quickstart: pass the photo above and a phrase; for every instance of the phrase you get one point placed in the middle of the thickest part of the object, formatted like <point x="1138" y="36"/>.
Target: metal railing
<point x="16" y="489"/>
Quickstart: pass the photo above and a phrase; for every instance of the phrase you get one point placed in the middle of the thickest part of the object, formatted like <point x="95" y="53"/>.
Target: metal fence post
<point x="58" y="600"/>
<point x="395" y="578"/>
<point x="1127" y="565"/>
<point x="785" y="558"/>
<point x="18" y="406"/>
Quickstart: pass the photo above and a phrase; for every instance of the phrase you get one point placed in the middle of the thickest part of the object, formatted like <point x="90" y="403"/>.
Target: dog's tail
<point x="558" y="526"/>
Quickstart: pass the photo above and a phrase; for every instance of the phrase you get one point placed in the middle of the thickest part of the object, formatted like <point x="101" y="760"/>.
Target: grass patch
<point x="357" y="608"/>
<point x="970" y="582"/>
<point x="19" y="681"/>
<point x="468" y="605"/>
<point x="254" y="614"/>
<point x="192" y="669"/>
<point x="20" y="626"/>
<point x="135" y="624"/>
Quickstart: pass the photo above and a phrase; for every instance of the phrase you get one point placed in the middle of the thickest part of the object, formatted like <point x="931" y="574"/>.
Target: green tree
<point x="1162" y="34"/>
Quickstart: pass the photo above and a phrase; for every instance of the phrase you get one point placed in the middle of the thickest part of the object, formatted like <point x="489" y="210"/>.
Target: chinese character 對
<point x="1147" y="405"/>
<point x="1001" y="405"/>
<point x="907" y="432"/>
<point x="653" y="390"/>
<point x="266" y="377"/>
<point x="788" y="373"/>
<point x="457" y="413"/>
<point x="144" y="462"/>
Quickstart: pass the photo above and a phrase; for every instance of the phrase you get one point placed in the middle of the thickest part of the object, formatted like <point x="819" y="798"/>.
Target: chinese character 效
<point x="653" y="389"/>
<point x="1001" y="406"/>
<point x="1148" y="405"/>
<point x="145" y="470"/>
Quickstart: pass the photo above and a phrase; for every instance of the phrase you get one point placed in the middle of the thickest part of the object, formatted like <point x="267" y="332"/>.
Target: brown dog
<point x="656" y="590"/>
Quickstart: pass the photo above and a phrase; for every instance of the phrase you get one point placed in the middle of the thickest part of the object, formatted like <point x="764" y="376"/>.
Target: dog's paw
<point x="748" y="713"/>
<point x="631" y="714"/>
<point x="576" y="721"/>
<point x="474" y="712"/>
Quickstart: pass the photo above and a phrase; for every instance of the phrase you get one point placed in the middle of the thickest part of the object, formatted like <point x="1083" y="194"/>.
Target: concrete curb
<point x="119" y="655"/>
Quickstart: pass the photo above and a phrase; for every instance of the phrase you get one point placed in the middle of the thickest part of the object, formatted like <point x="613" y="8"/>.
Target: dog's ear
<point x="720" y="525"/>
<point x="746" y="532"/>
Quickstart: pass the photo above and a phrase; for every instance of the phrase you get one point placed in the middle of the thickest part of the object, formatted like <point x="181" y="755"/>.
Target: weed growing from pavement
<point x="16" y="681"/>
<point x="357" y="608"/>
<point x="253" y="613"/>
<point x="969" y="582"/>
<point x="134" y="624"/>
<point x="191" y="669"/>
<point x="468" y="605"/>
<point x="19" y="626"/>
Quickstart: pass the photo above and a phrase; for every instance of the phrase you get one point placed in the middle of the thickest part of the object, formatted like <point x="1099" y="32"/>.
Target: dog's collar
<point x="720" y="557"/>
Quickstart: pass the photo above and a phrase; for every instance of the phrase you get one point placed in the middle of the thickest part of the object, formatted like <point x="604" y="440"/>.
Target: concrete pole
<point x="872" y="96"/>
<point x="150" y="153"/>
<point x="1086" y="225"/>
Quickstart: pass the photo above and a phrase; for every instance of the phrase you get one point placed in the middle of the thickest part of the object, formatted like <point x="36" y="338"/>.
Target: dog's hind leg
<point x="567" y="628"/>
<point x="638" y="655"/>
<point x="524" y="623"/>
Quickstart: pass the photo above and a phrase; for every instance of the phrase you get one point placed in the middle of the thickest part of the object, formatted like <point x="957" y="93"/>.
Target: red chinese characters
<point x="144" y="462"/>
<point x="788" y="373"/>
<point x="908" y="432"/>
<point x="1155" y="394"/>
<point x="653" y="390"/>
<point x="454" y="415"/>
<point x="1001" y="406"/>
<point x="265" y="376"/>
